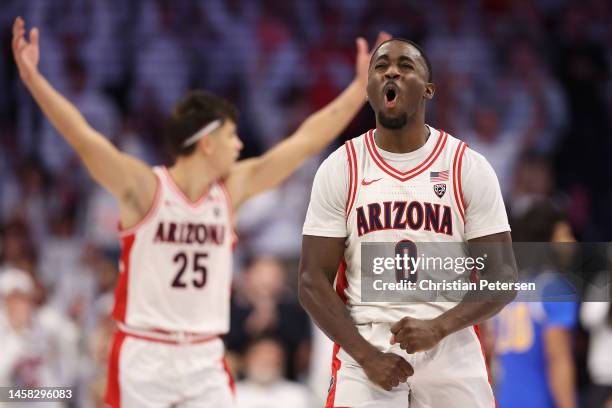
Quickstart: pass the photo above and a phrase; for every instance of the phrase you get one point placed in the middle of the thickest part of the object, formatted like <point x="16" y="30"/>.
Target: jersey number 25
<point x="197" y="266"/>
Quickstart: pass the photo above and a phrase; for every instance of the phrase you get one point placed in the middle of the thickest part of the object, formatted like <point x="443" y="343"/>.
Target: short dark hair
<point x="415" y="45"/>
<point x="538" y="223"/>
<point x="190" y="114"/>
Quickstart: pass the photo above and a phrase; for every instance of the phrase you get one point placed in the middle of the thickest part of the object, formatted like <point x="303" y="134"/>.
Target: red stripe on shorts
<point x="336" y="363"/>
<point x="113" y="391"/>
<point x="230" y="378"/>
<point x="484" y="357"/>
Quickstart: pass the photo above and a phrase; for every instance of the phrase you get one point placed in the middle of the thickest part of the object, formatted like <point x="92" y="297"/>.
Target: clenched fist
<point x="387" y="370"/>
<point x="415" y="335"/>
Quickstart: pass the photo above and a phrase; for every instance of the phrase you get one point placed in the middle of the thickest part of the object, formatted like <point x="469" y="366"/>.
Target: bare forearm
<point x="326" y="124"/>
<point x="479" y="305"/>
<point x="466" y="314"/>
<point x="560" y="366"/>
<point x="561" y="376"/>
<point x="61" y="113"/>
<point x="330" y="314"/>
<point x="254" y="176"/>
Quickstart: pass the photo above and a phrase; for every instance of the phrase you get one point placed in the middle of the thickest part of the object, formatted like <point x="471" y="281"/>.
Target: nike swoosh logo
<point x="367" y="183"/>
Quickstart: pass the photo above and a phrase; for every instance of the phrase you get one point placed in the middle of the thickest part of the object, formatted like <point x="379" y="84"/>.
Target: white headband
<point x="211" y="127"/>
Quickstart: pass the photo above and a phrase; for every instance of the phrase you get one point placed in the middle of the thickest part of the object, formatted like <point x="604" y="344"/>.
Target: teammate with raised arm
<point x="404" y="182"/>
<point x="172" y="297"/>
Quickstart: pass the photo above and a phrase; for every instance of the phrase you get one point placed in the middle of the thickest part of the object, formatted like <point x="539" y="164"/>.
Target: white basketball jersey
<point x="423" y="204"/>
<point x="176" y="264"/>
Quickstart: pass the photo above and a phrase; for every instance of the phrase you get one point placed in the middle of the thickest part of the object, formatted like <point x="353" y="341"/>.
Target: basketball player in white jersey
<point x="176" y="228"/>
<point x="403" y="181"/>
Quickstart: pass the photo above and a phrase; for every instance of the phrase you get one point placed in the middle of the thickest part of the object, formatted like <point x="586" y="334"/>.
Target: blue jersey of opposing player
<point x="522" y="369"/>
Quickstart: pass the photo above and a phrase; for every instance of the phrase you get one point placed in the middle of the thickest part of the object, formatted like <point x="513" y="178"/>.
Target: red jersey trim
<point x="230" y="377"/>
<point x="341" y="281"/>
<point x="341" y="286"/>
<point x="407" y="175"/>
<point x="121" y="290"/>
<point x="177" y="189"/>
<point x="169" y="341"/>
<point x="336" y="363"/>
<point x="352" y="159"/>
<point x="230" y="208"/>
<point x="457" y="187"/>
<point x="154" y="206"/>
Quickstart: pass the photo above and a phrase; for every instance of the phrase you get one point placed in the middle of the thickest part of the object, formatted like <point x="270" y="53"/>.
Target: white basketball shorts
<point x="452" y="374"/>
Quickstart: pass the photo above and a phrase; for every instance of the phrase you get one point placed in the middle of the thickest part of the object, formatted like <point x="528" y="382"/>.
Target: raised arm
<point x="130" y="180"/>
<point x="254" y="176"/>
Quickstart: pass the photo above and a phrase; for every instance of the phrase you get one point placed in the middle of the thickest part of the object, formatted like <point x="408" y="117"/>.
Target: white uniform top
<point x="176" y="264"/>
<point x="441" y="192"/>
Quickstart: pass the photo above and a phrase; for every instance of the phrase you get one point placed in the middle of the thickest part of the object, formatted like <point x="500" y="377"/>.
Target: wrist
<point x="363" y="352"/>
<point x="360" y="87"/>
<point x="28" y="77"/>
<point x="442" y="326"/>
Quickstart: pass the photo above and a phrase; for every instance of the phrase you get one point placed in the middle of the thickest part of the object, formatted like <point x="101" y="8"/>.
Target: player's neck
<point x="193" y="176"/>
<point x="407" y="139"/>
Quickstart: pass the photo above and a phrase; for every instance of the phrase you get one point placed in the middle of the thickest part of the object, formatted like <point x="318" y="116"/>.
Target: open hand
<point x="414" y="335"/>
<point x="26" y="53"/>
<point x="364" y="54"/>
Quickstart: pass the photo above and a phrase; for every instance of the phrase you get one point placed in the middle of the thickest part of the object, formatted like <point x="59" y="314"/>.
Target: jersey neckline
<point x="375" y="154"/>
<point x="181" y="193"/>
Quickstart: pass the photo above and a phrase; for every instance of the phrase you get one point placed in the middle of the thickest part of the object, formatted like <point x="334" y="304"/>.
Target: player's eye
<point x="380" y="66"/>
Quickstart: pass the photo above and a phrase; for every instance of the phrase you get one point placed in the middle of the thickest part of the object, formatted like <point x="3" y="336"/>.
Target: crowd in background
<point x="524" y="82"/>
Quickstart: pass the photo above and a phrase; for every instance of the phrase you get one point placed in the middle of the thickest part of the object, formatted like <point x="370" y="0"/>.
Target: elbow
<point x="305" y="289"/>
<point x="302" y="290"/>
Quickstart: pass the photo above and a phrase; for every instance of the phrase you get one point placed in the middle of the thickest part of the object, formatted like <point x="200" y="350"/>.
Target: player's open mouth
<point x="390" y="91"/>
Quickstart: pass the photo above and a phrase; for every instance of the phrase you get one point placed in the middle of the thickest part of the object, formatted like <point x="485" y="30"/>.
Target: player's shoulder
<point x="338" y="155"/>
<point x="339" y="158"/>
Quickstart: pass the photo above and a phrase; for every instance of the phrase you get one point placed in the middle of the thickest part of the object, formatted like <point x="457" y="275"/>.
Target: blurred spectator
<point x="533" y="181"/>
<point x="596" y="317"/>
<point x="534" y="339"/>
<point x="32" y="201"/>
<point x="262" y="221"/>
<point x="263" y="305"/>
<point x="533" y="100"/>
<point x="38" y="345"/>
<point x="500" y="148"/>
<point x="93" y="368"/>
<point x="264" y="385"/>
<point x="457" y="43"/>
<point x="320" y="372"/>
<point x="17" y="248"/>
<point x="60" y="255"/>
<point x="57" y="156"/>
<point x="161" y="74"/>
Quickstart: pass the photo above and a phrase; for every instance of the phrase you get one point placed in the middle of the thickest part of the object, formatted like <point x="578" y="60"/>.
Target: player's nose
<point x="392" y="72"/>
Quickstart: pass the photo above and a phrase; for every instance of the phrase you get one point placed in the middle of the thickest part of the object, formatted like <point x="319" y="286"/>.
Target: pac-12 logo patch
<point x="439" y="189"/>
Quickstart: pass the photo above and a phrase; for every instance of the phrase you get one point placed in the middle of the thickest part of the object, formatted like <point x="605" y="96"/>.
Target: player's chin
<point x="392" y="120"/>
<point x="229" y="165"/>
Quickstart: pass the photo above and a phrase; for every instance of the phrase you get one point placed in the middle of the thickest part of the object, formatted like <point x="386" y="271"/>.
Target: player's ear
<point x="430" y="90"/>
<point x="206" y="145"/>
